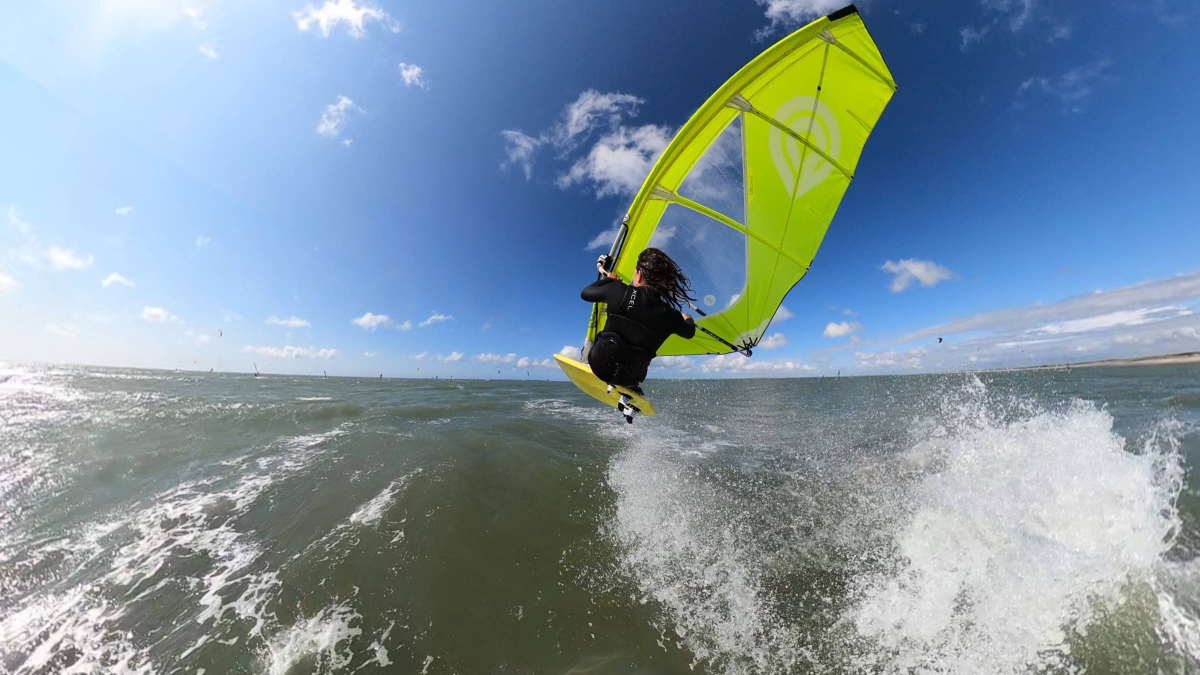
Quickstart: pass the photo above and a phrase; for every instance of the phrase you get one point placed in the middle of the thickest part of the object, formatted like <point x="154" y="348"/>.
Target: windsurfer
<point x="640" y="317"/>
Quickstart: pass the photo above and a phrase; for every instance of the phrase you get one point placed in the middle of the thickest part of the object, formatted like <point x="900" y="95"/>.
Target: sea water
<point x="171" y="522"/>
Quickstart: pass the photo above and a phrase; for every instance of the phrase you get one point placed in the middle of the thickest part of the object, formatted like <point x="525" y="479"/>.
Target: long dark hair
<point x="661" y="275"/>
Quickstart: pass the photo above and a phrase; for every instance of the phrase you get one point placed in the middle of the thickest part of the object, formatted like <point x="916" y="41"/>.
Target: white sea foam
<point x="1014" y="535"/>
<point x="324" y="638"/>
<point x="374" y="510"/>
<point x="192" y="520"/>
<point x="1005" y="526"/>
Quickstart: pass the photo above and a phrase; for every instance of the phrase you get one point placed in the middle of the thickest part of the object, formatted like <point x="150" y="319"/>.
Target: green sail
<point x="743" y="195"/>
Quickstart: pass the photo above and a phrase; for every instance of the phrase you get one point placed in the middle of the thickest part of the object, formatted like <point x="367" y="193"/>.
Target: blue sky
<point x="412" y="189"/>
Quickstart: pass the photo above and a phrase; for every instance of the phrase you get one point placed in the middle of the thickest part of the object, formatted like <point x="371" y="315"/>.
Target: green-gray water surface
<point x="1036" y="522"/>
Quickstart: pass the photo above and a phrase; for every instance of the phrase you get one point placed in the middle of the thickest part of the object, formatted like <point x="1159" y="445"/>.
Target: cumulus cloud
<point x="370" y="355"/>
<point x="619" y="161"/>
<point x="450" y="358"/>
<point x="421" y="357"/>
<point x="787" y="14"/>
<point x="157" y="314"/>
<point x="356" y="17"/>
<point x="334" y="118"/>
<point x="782" y="314"/>
<point x="675" y="363"/>
<point x="841" y="329"/>
<point x="124" y="211"/>
<point x="66" y="259"/>
<point x="67" y="331"/>
<point x="736" y="363"/>
<point x="290" y="322"/>
<point x="209" y="51"/>
<point x="571" y="352"/>
<point x="494" y="358"/>
<point x="115" y="278"/>
<point x="527" y="362"/>
<point x="926" y="272"/>
<point x="290" y="352"/>
<point x="435" y="318"/>
<point x="371" y="321"/>
<point x="412" y="75"/>
<point x="773" y="341"/>
<point x="890" y="358"/>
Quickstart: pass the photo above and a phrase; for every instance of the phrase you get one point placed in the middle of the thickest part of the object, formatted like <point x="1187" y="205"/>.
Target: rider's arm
<point x="605" y="289"/>
<point x="686" y="327"/>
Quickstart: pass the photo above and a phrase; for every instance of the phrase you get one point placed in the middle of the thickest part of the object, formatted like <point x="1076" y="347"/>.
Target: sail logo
<point x="815" y="121"/>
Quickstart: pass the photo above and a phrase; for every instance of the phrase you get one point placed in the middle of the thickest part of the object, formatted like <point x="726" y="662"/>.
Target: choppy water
<point x="155" y="522"/>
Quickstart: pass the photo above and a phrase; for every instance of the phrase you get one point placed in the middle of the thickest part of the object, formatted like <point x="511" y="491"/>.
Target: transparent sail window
<point x="711" y="254"/>
<point x="718" y="180"/>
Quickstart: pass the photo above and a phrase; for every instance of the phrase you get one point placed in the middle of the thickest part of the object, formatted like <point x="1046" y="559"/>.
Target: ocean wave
<point x="1000" y="533"/>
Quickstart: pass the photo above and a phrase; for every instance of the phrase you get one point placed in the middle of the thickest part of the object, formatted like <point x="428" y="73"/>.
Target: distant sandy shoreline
<point x="1161" y="360"/>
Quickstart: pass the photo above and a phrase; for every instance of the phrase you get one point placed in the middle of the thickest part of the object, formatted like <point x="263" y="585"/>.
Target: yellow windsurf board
<point x="581" y="375"/>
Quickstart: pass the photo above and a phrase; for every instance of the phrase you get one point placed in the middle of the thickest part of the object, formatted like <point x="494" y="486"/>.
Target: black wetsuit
<point x="639" y="321"/>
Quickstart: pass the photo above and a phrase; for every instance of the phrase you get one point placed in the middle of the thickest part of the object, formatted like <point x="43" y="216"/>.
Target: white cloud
<point x="737" y="363"/>
<point x="66" y="259"/>
<point x="290" y="322"/>
<point x="290" y="352"/>
<point x="526" y="362"/>
<point x="157" y="314"/>
<point x="404" y="326"/>
<point x="890" y="358"/>
<point x="334" y="118"/>
<point x="927" y="272"/>
<point x="202" y="240"/>
<point x="15" y="222"/>
<point x="1125" y="317"/>
<point x="678" y="363"/>
<point x="969" y="36"/>
<point x="115" y="278"/>
<point x="334" y="12"/>
<point x="8" y="282"/>
<point x="1155" y="293"/>
<point x="794" y="13"/>
<point x="605" y="239"/>
<point x="570" y="352"/>
<point x="209" y="51"/>
<point x="1071" y="89"/>
<point x="782" y="314"/>
<point x="370" y="355"/>
<point x="849" y="312"/>
<point x="124" y="211"/>
<point x="435" y="318"/>
<point x="371" y="321"/>
<point x="421" y="356"/>
<point x="494" y="358"/>
<point x="196" y="16"/>
<point x="592" y="110"/>
<point x="451" y="358"/>
<point x="618" y="163"/>
<point x="202" y="339"/>
<point x="841" y="329"/>
<point x="66" y="331"/>
<point x="347" y="142"/>
<point x="773" y="341"/>
<point x="412" y="75"/>
<point x="519" y="148"/>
